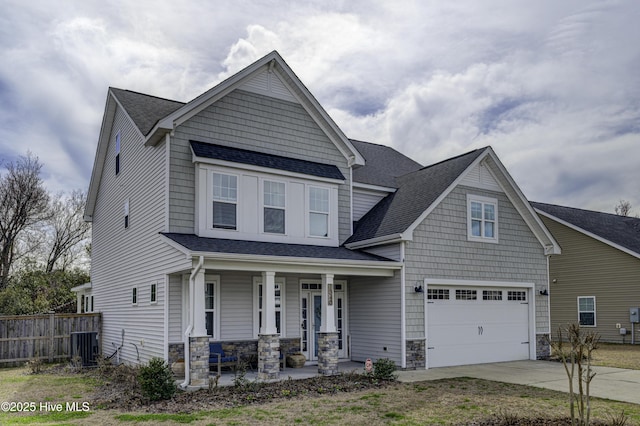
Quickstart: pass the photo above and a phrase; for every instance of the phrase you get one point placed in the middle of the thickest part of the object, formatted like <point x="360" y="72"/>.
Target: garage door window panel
<point x="466" y="294"/>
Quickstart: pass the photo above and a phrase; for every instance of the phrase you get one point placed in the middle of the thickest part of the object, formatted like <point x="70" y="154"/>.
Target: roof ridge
<point x="453" y="158"/>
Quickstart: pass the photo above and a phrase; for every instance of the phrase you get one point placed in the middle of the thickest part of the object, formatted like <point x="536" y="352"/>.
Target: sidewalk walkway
<point x="611" y="383"/>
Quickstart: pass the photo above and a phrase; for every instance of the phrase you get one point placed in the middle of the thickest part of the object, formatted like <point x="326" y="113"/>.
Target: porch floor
<point x="305" y="372"/>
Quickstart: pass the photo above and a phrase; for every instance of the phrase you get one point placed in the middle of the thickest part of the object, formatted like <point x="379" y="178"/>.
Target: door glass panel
<point x="305" y="329"/>
<point x="317" y="321"/>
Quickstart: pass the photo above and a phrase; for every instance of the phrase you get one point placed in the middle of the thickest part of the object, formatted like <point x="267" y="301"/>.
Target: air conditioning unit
<point x="85" y="345"/>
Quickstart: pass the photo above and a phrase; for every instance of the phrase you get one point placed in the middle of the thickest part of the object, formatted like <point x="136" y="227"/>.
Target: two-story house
<point x="247" y="217"/>
<point x="596" y="281"/>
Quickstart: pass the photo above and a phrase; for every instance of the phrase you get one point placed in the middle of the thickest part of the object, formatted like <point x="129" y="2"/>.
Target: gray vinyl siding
<point x="176" y="332"/>
<point x="134" y="257"/>
<point x="588" y="267"/>
<point x="440" y="249"/>
<point x="364" y="200"/>
<point x="390" y="251"/>
<point x="255" y="122"/>
<point x="375" y="318"/>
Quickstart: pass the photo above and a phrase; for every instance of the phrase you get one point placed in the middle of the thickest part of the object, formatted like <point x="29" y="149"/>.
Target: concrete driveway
<point x="611" y="383"/>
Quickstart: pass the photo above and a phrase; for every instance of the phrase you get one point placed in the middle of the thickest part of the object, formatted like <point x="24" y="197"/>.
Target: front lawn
<point x="316" y="401"/>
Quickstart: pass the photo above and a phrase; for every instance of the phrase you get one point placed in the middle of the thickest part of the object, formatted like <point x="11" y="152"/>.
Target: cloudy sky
<point x="553" y="86"/>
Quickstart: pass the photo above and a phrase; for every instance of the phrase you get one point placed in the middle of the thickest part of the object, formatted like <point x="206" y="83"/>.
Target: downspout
<point x="403" y="309"/>
<point x="187" y="333"/>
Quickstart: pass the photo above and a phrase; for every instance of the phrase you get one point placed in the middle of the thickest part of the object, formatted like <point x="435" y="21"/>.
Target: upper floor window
<point x="126" y="213"/>
<point x="587" y="311"/>
<point x="274" y="207"/>
<point x="117" y="153"/>
<point x="318" y="212"/>
<point x="482" y="222"/>
<point x="225" y="199"/>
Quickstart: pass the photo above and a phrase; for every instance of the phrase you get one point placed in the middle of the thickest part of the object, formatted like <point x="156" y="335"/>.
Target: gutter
<point x="187" y="333"/>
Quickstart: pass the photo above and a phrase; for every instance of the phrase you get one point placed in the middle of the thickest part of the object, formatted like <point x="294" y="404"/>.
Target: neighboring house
<point x="597" y="279"/>
<point x="246" y="216"/>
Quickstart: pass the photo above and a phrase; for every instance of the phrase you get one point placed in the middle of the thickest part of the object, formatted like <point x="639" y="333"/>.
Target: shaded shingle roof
<point x="620" y="230"/>
<point x="383" y="164"/>
<point x="236" y="155"/>
<point x="416" y="192"/>
<point x="218" y="245"/>
<point x="145" y="110"/>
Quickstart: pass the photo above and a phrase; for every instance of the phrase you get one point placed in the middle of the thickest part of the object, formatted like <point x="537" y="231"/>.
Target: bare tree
<point x="623" y="208"/>
<point x="66" y="230"/>
<point x="23" y="203"/>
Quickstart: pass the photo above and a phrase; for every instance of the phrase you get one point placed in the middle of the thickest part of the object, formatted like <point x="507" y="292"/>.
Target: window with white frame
<point x="154" y="293"/>
<point x="274" y="207"/>
<point x="117" y="153"/>
<point x="318" y="212"/>
<point x="92" y="305"/>
<point x="210" y="300"/>
<point x="482" y="222"/>
<point x="587" y="311"/>
<point x="225" y="200"/>
<point x="258" y="303"/>
<point x="126" y="213"/>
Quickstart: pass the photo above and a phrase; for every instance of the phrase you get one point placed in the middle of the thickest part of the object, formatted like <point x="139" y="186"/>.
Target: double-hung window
<point x="318" y="212"/>
<point x="482" y="223"/>
<point x="587" y="311"/>
<point x="274" y="207"/>
<point x="117" y="153"/>
<point x="259" y="300"/>
<point x="210" y="307"/>
<point x="225" y="200"/>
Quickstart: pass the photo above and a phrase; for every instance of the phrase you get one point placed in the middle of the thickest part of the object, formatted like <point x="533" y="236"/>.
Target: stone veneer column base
<point x="199" y="361"/>
<point x="328" y="353"/>
<point x="268" y="356"/>
<point x="543" y="348"/>
<point x="416" y="354"/>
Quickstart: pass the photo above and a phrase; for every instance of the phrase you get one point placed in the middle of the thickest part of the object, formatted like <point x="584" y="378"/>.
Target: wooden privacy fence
<point x="46" y="337"/>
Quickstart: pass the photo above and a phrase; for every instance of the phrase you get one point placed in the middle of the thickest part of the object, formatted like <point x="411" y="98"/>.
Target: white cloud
<point x="552" y="86"/>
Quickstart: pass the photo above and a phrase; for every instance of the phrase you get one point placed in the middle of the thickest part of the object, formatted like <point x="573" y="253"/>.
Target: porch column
<point x="328" y="335"/>
<point x="79" y="302"/>
<point x="199" y="316"/>
<point x="269" y="303"/>
<point x="268" y="339"/>
<point x="198" y="340"/>
<point x="328" y="312"/>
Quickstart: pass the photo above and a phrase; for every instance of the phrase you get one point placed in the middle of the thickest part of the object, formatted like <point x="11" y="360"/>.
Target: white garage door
<point x="476" y="325"/>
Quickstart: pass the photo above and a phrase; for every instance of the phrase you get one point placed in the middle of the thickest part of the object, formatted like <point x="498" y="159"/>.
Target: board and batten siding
<point x="588" y="267"/>
<point x="440" y="249"/>
<point x="254" y="122"/>
<point x="375" y="318"/>
<point x="134" y="257"/>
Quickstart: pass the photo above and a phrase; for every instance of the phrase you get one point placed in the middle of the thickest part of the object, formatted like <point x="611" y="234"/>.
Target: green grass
<point x="155" y="418"/>
<point x="57" y="417"/>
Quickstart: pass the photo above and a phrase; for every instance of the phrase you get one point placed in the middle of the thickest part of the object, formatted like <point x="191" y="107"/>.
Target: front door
<point x="311" y="318"/>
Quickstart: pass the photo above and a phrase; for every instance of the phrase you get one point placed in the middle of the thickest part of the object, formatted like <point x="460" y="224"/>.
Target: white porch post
<point x="79" y="302"/>
<point x="199" y="327"/>
<point x="269" y="303"/>
<point x="328" y="312"/>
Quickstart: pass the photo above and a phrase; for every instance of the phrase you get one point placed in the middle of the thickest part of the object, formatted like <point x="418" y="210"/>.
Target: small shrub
<point x="35" y="366"/>
<point x="383" y="369"/>
<point x="156" y="380"/>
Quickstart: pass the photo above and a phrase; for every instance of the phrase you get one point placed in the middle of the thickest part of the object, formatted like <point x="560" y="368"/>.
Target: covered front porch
<point x="263" y="308"/>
